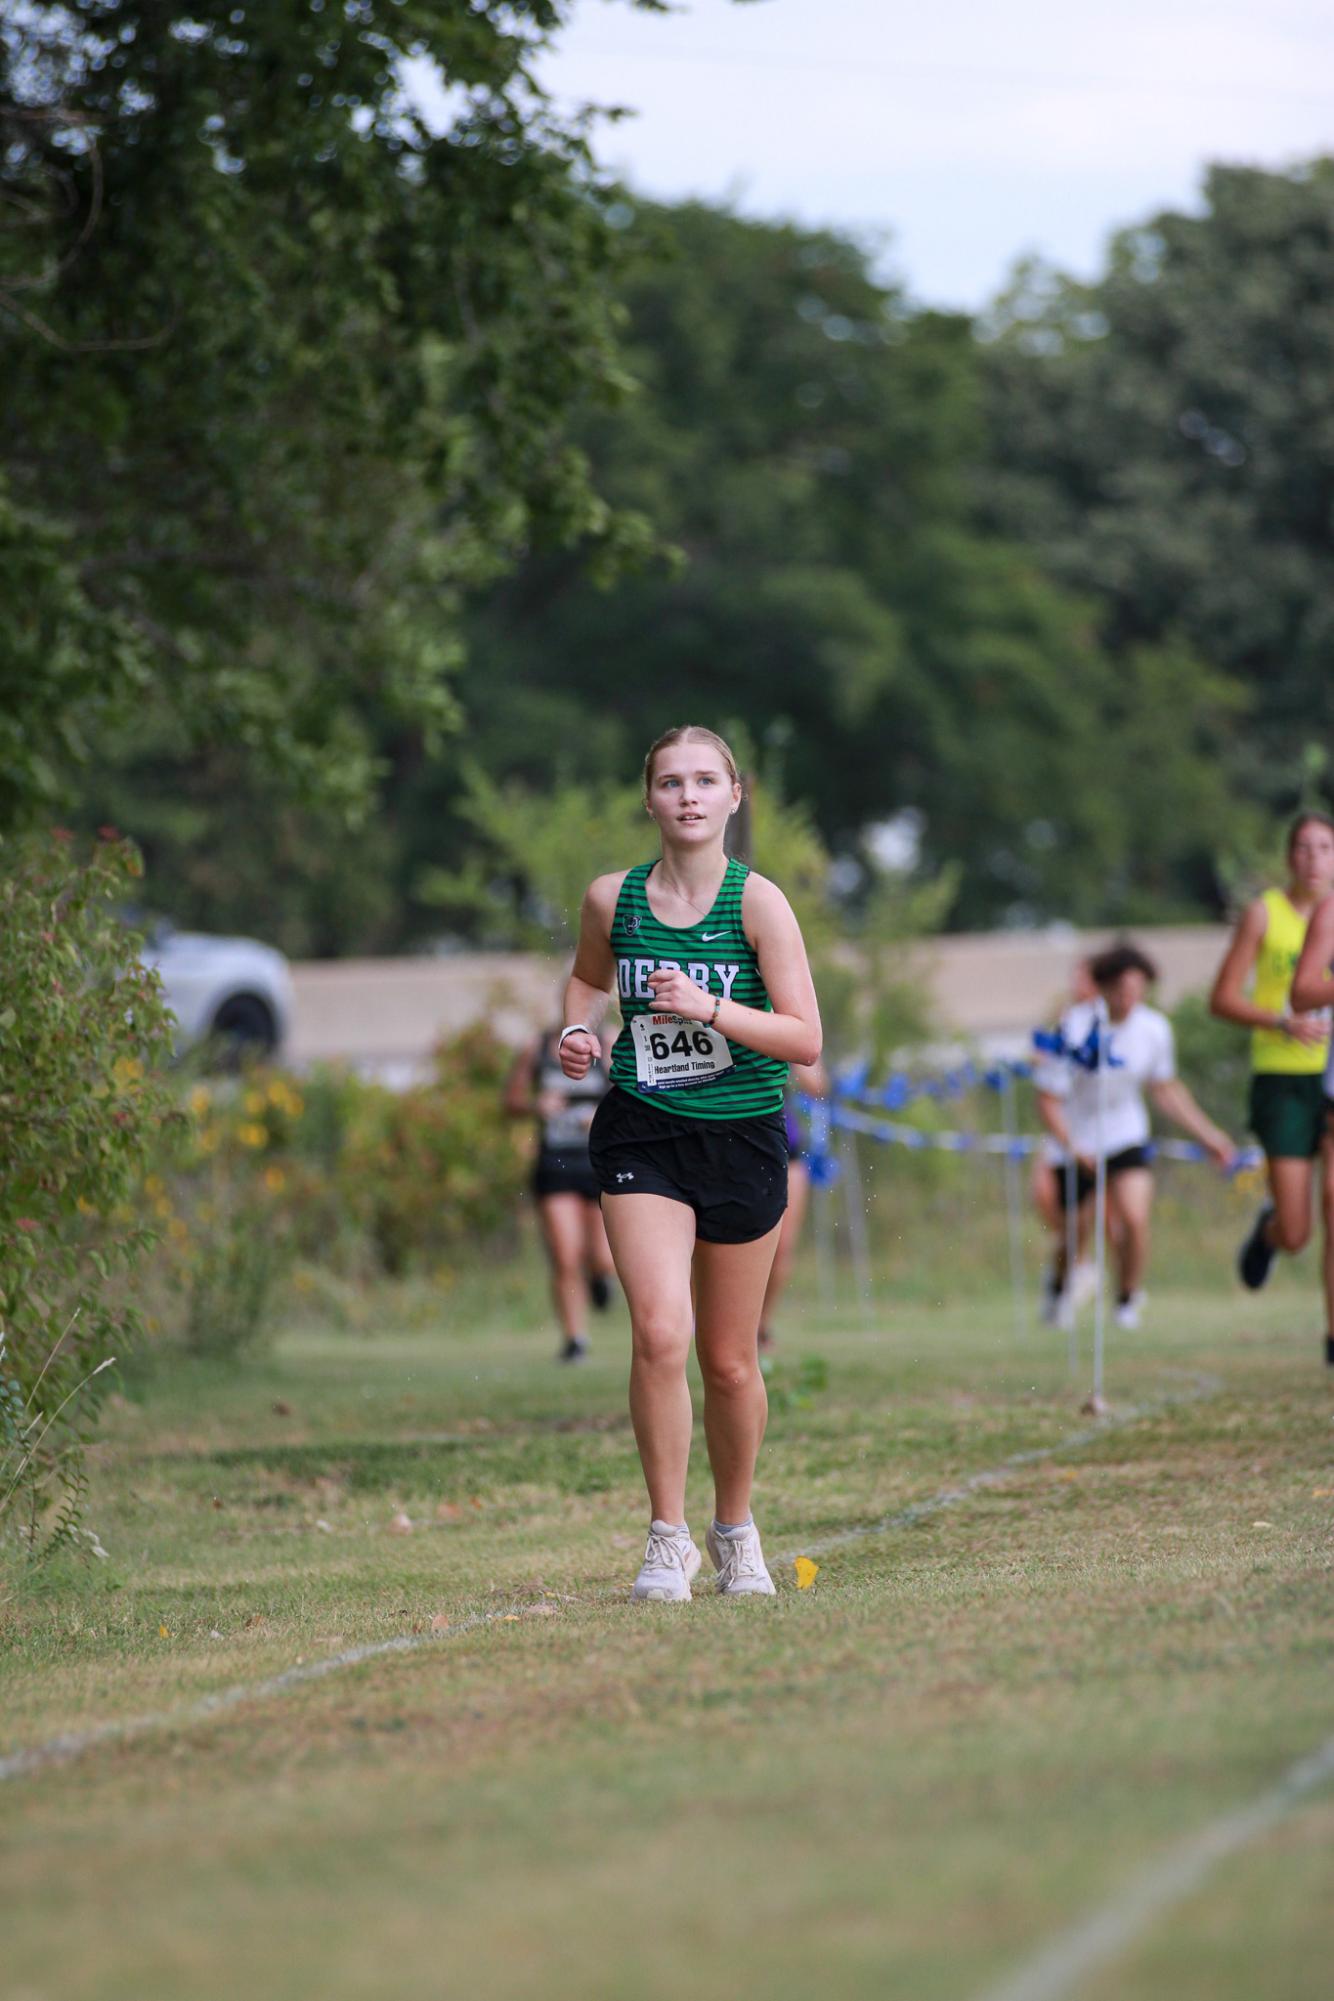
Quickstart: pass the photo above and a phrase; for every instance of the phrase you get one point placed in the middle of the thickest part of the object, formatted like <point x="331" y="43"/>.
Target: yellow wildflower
<point x="200" y="1099"/>
<point x="252" y="1134"/>
<point x="275" y="1180"/>
<point x="255" y="1102"/>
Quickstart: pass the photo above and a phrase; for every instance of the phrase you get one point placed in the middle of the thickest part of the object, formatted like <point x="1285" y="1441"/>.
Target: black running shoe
<point x="1256" y="1256"/>
<point x="575" y="1350"/>
<point x="599" y="1291"/>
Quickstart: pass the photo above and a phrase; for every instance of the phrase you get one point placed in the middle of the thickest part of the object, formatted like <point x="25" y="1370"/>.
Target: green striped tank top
<point x="682" y="1066"/>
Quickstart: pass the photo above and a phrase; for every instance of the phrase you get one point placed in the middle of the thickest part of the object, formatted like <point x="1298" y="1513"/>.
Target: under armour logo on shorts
<point x="625" y="1177"/>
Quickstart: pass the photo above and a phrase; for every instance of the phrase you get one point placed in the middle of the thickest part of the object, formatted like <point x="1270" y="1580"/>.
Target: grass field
<point x="973" y="1729"/>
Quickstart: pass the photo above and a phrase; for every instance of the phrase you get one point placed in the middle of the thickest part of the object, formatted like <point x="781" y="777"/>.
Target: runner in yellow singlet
<point x="1288" y="1048"/>
<point x="1313" y="987"/>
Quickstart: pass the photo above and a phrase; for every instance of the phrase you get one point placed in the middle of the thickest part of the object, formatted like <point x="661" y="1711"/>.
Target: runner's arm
<point x="1051" y="1110"/>
<point x="1228" y="999"/>
<point x="1175" y="1102"/>
<point x="1312" y="985"/>
<point x="589" y="988"/>
<point x="792" y="1032"/>
<point x="520" y="1097"/>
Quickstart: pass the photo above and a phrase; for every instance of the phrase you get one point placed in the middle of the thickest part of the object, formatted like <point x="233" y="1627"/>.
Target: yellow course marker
<point x="807" y="1572"/>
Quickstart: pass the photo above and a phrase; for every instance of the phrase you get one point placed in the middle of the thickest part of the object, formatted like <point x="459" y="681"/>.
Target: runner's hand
<point x="675" y="994"/>
<point x="577" y="1053"/>
<point x="1308" y="1029"/>
<point x="1222" y="1152"/>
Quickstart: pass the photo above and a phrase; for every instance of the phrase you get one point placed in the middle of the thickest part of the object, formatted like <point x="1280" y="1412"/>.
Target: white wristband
<point x="575" y="1028"/>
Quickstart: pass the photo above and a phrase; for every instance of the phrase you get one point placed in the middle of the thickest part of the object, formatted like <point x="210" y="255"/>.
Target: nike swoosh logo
<point x="707" y="937"/>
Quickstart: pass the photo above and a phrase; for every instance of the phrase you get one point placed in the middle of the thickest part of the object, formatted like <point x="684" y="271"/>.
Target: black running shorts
<point x="731" y="1172"/>
<point x="562" y="1171"/>
<point x="1117" y="1163"/>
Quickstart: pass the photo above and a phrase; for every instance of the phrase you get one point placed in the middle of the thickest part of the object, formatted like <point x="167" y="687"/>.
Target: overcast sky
<point x="968" y="130"/>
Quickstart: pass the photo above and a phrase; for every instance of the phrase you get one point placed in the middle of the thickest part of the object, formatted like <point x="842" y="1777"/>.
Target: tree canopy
<point x="815" y="446"/>
<point x="285" y="371"/>
<point x="1163" y="440"/>
<point x="358" y="469"/>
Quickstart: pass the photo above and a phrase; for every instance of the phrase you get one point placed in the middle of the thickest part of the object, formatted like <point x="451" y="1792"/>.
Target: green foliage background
<point x="84" y="1037"/>
<point x="358" y="476"/>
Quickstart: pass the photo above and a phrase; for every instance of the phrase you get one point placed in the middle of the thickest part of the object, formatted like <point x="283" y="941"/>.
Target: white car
<point x="232" y="992"/>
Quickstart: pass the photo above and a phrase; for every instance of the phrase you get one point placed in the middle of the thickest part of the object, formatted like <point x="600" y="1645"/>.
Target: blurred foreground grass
<point x="903" y="1780"/>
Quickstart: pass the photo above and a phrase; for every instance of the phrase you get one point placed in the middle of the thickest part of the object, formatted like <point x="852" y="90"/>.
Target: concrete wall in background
<point x="384" y="1015"/>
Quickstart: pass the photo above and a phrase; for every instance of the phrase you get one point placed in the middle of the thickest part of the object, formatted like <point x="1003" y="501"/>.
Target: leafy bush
<point x="334" y="1173"/>
<point x="84" y="1032"/>
<point x="440" y="1167"/>
<point x="1215" y="1059"/>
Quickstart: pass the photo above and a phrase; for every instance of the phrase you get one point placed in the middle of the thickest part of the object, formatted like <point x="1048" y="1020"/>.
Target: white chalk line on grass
<point x="998" y="1476"/>
<point x="1054" y="1973"/>
<point x="71" y="1744"/>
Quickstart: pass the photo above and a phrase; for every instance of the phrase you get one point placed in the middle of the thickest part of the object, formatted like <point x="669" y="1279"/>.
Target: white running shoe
<point x="739" y="1562"/>
<point x="671" y="1560"/>
<point x="1082" y="1287"/>
<point x="1129" y="1311"/>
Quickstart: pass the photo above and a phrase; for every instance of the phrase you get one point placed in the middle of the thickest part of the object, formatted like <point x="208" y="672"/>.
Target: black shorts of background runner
<point x="731" y="1172"/>
<point x="561" y="1172"/>
<point x="1085" y="1180"/>
<point x="1287" y="1114"/>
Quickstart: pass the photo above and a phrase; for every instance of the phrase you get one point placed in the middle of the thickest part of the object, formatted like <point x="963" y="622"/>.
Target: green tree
<point x="84" y="1034"/>
<point x="813" y="445"/>
<point x="284" y="370"/>
<point x="1161" y="439"/>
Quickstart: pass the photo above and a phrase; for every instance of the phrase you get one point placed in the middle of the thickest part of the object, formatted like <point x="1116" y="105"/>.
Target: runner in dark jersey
<point x="814" y="1083"/>
<point x="563" y="1183"/>
<point x="690" y="1147"/>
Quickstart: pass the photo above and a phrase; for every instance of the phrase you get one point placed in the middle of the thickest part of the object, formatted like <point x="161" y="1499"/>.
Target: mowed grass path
<point x="970" y="1732"/>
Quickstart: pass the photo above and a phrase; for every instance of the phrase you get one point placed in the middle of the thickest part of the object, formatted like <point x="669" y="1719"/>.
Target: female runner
<point x="815" y="1084"/>
<point x="1313" y="987"/>
<point x="689" y="1145"/>
<point x="1288" y="1049"/>
<point x="564" y="1188"/>
<point x="1062" y="1291"/>
<point x="1100" y="1112"/>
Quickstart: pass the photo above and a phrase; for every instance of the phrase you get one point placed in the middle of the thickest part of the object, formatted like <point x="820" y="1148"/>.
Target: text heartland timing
<point x="632" y="976"/>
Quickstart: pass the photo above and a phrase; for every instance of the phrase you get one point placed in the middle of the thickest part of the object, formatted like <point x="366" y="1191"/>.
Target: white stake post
<point x="1013" y="1201"/>
<point x="1099" y="1197"/>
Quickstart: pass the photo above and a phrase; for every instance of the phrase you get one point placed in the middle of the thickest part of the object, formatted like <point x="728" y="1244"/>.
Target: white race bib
<point x="671" y="1052"/>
